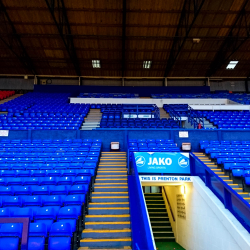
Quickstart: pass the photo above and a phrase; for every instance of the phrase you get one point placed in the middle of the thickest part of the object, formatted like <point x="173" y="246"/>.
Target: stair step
<point x="108" y="210"/>
<point x="107" y="218"/>
<point x="108" y="225"/>
<point x="110" y="199"/>
<point x="106" y="243"/>
<point x="106" y="234"/>
<point x="111" y="189"/>
<point x="98" y="194"/>
<point x="108" y="204"/>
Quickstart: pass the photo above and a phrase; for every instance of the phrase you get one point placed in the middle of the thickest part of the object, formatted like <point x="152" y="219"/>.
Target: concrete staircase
<point x="158" y="215"/>
<point x="223" y="175"/>
<point x="163" y="113"/>
<point x="92" y="121"/>
<point x="107" y="225"/>
<point x="208" y="124"/>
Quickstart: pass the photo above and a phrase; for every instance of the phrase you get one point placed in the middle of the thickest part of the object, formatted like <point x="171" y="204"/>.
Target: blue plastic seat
<point x="60" y="236"/>
<point x="37" y="236"/>
<point x="40" y="190"/>
<point x="6" y="191"/>
<point x="52" y="200"/>
<point x="48" y="180"/>
<point x="74" y="200"/>
<point x="29" y="201"/>
<point x="78" y="189"/>
<point x="22" y="190"/>
<point x="11" y="234"/>
<point x="82" y="180"/>
<point x="31" y="181"/>
<point x="59" y="190"/>
<point x="26" y="212"/>
<point x="11" y="201"/>
<point x="68" y="215"/>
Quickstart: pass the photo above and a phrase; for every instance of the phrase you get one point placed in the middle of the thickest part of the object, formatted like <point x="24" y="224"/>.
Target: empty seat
<point x="11" y="234"/>
<point x="60" y="236"/>
<point x="37" y="236"/>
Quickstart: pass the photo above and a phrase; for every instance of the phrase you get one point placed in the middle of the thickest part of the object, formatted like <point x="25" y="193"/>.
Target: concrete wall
<point x="208" y="225"/>
<point x="16" y="84"/>
<point x="235" y="86"/>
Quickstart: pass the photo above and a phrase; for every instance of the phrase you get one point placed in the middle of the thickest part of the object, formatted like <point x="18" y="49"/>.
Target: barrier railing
<point x="142" y="237"/>
<point x="194" y="118"/>
<point x="173" y="114"/>
<point x="232" y="201"/>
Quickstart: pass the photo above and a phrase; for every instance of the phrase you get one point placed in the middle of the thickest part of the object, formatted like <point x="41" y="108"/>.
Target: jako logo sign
<point x="183" y="162"/>
<point x="140" y="161"/>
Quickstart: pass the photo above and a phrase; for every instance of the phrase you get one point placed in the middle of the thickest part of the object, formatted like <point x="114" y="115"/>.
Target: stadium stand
<point x="108" y="95"/>
<point x="50" y="182"/>
<point x="6" y="94"/>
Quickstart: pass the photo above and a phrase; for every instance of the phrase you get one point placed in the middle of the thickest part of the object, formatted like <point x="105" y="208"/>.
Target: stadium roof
<point x="182" y="38"/>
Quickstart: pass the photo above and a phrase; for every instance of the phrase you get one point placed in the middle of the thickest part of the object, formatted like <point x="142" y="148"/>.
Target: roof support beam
<point x="190" y="11"/>
<point x="13" y="41"/>
<point x="232" y="42"/>
<point x="124" y="13"/>
<point x="59" y="15"/>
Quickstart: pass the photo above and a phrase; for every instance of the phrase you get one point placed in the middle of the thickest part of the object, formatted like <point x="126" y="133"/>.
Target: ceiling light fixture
<point x="147" y="64"/>
<point x="232" y="64"/>
<point x="96" y="64"/>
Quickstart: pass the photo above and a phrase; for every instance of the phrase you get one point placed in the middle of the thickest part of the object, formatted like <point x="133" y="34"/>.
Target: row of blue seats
<point x="78" y="164"/>
<point x="151" y="141"/>
<point x="76" y="153"/>
<point x="173" y="149"/>
<point x="151" y="144"/>
<point x="40" y="181"/>
<point x="9" y="118"/>
<point x="60" y="236"/>
<point x="59" y="160"/>
<point x="58" y="145"/>
<point x="49" y="173"/>
<point x="108" y="95"/>
<point x="49" y="141"/>
<point x="43" y="190"/>
<point x="39" y="128"/>
<point x="206" y="143"/>
<point x="42" y="200"/>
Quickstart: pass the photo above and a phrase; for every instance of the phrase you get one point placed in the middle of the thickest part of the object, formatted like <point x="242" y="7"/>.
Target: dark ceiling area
<point x="184" y="38"/>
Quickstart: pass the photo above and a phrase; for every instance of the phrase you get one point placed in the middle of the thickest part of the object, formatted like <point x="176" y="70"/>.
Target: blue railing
<point x="194" y="118"/>
<point x="232" y="201"/>
<point x="142" y="238"/>
<point x="173" y="114"/>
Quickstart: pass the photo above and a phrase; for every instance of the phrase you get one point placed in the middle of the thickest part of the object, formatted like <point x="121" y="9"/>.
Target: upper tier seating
<point x="108" y="95"/>
<point x="233" y="157"/>
<point x="48" y="181"/>
<point x="113" y="122"/>
<point x="6" y="93"/>
<point x="42" y="111"/>
<point x="236" y="97"/>
<point x="228" y="119"/>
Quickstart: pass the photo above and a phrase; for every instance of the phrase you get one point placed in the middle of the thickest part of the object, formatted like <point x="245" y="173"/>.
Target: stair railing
<point x="232" y="201"/>
<point x="173" y="114"/>
<point x="194" y="118"/>
<point x="142" y="236"/>
<point x="171" y="211"/>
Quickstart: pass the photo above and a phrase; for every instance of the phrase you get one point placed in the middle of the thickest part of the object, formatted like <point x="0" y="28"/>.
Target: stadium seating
<point x="108" y="95"/>
<point x="228" y="119"/>
<point x="48" y="181"/>
<point x="233" y="157"/>
<point x="242" y="98"/>
<point x="5" y="94"/>
<point x="38" y="111"/>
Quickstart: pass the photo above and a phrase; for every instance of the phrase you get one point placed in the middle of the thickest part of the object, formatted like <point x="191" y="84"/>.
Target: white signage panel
<point x="155" y="178"/>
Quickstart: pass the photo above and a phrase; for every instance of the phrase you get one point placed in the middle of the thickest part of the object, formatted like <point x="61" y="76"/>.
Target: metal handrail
<point x="169" y="204"/>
